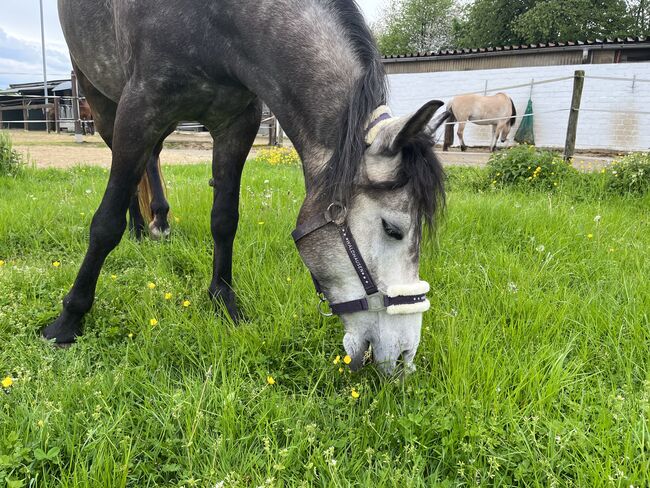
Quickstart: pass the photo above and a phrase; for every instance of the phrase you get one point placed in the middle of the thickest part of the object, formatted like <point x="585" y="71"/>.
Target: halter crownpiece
<point x="379" y="118"/>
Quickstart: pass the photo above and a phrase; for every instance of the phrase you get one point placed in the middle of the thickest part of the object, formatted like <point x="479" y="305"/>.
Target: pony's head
<point x="396" y="190"/>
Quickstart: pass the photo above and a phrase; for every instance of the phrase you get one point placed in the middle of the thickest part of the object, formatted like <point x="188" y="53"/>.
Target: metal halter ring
<point x="342" y="214"/>
<point x="320" y="307"/>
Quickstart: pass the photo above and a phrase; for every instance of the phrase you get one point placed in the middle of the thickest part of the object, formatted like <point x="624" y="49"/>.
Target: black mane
<point x="335" y="182"/>
<point x="420" y="167"/>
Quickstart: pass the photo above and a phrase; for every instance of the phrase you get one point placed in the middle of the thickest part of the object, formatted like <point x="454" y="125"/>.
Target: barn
<point x="615" y="108"/>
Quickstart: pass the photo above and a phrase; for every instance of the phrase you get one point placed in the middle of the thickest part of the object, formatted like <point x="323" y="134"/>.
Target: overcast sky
<point x="20" y="40"/>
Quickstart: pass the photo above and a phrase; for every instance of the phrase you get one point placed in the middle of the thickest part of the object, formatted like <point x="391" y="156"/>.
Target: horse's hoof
<point x="225" y="298"/>
<point x="463" y="148"/>
<point x="159" y="231"/>
<point x="445" y="148"/>
<point x="63" y="332"/>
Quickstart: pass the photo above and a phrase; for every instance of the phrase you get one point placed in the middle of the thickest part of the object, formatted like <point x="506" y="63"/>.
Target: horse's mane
<point x="335" y="181"/>
<point x="420" y="167"/>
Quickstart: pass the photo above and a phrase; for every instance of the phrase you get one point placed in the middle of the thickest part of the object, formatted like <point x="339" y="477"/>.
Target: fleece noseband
<point x="400" y="299"/>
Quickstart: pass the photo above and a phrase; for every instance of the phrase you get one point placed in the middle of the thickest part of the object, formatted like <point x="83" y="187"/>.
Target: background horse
<point x="318" y="69"/>
<point x="495" y="110"/>
<point x="86" y="117"/>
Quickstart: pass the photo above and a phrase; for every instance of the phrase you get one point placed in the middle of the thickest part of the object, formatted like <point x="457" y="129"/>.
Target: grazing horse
<point x="372" y="180"/>
<point x="495" y="110"/>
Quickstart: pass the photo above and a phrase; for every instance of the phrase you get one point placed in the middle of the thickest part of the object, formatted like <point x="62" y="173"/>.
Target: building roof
<point x="617" y="43"/>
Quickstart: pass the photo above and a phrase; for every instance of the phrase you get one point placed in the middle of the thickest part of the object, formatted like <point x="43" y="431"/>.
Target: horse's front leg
<point x="231" y="148"/>
<point x="495" y="135"/>
<point x="461" y="131"/>
<point x="134" y="135"/>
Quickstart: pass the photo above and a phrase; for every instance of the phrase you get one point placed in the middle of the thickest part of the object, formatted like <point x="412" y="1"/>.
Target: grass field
<point x="532" y="371"/>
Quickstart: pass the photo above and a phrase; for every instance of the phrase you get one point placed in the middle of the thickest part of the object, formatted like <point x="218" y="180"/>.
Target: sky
<point x="20" y="40"/>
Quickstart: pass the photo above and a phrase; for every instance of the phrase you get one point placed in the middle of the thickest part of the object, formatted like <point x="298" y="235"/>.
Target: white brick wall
<point x="595" y="130"/>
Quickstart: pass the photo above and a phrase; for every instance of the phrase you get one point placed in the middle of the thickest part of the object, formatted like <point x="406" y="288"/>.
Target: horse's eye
<point x="391" y="230"/>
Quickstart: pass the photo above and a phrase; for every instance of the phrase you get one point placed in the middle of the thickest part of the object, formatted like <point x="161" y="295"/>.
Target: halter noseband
<point x="401" y="299"/>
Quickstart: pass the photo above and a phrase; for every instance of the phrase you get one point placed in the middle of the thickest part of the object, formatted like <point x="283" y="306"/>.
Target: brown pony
<point x="495" y="110"/>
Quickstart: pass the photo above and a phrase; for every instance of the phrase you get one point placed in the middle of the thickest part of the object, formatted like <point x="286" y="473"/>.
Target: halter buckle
<point x="338" y="217"/>
<point x="375" y="302"/>
<point x="321" y="309"/>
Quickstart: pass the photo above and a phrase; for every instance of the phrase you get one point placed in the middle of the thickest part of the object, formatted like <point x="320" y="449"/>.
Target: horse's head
<point x="398" y="187"/>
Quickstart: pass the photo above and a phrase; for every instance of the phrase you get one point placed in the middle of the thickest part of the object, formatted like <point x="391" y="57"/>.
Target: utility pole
<point x="44" y="67"/>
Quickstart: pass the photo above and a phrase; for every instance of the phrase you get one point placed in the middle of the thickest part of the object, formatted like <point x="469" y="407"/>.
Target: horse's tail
<point x="449" y="130"/>
<point x="144" y="197"/>
<point x="513" y="119"/>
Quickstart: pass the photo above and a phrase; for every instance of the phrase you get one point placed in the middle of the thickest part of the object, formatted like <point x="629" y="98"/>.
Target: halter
<point x="401" y="299"/>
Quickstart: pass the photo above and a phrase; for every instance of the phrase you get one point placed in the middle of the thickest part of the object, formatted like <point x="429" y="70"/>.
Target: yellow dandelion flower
<point x="355" y="394"/>
<point x="113" y="277"/>
<point x="347" y="359"/>
<point x="130" y="335"/>
<point x="151" y="285"/>
<point x="337" y="360"/>
<point x="7" y="382"/>
<point x="153" y="322"/>
<point x="2" y="263"/>
<point x="168" y="296"/>
<point x="590" y="236"/>
<point x="56" y="264"/>
<point x="341" y="370"/>
<point x="186" y="303"/>
<point x="260" y="223"/>
<point x="288" y="279"/>
<point x="40" y="423"/>
<point x="270" y="380"/>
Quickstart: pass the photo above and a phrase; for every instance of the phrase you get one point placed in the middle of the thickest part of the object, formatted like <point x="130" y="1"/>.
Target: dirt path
<point x="61" y="151"/>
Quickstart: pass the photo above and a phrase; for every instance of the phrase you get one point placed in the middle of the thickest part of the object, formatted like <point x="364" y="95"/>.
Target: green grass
<point x="532" y="370"/>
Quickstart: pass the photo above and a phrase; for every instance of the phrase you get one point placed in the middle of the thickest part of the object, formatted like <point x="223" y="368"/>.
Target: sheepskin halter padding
<point x="379" y="118"/>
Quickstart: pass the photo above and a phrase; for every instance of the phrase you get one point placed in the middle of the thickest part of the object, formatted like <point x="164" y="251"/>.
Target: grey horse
<point x="148" y="64"/>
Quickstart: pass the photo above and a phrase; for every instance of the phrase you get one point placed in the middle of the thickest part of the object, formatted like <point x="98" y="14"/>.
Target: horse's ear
<point x="415" y="124"/>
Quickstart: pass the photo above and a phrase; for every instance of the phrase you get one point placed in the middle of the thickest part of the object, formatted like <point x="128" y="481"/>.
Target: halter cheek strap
<point x="398" y="299"/>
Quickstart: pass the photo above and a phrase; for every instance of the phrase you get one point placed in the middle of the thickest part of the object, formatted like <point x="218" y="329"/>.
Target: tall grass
<point x="532" y="371"/>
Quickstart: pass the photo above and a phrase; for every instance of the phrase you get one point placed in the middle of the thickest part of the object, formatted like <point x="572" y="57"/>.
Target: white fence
<point x="615" y="108"/>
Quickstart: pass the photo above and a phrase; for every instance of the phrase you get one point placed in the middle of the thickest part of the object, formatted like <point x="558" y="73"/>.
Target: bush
<point x="279" y="156"/>
<point x="10" y="160"/>
<point x="630" y="175"/>
<point x="527" y="166"/>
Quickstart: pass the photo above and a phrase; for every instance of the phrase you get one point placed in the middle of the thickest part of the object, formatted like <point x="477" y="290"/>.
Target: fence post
<point x="57" y="124"/>
<point x="25" y="116"/>
<point x="572" y="128"/>
<point x="78" y="137"/>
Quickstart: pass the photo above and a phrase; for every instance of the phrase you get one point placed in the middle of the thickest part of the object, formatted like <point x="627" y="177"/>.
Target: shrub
<point x="630" y="175"/>
<point x="10" y="160"/>
<point x="527" y="166"/>
<point x="279" y="156"/>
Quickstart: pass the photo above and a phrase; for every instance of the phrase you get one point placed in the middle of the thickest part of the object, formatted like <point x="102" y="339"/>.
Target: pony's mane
<point x="336" y="180"/>
<point x="422" y="171"/>
<point x="420" y="167"/>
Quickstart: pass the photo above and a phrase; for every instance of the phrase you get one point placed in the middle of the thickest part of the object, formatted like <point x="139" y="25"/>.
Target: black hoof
<point x="463" y="148"/>
<point x="64" y="330"/>
<point x="445" y="148"/>
<point x="226" y="298"/>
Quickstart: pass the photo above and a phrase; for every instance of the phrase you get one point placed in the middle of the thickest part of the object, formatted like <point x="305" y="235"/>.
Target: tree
<point x="408" y="26"/>
<point x="488" y="23"/>
<point x="563" y="20"/>
<point x="639" y="11"/>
